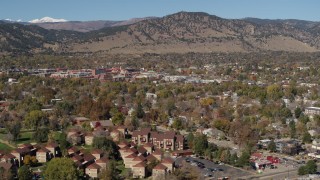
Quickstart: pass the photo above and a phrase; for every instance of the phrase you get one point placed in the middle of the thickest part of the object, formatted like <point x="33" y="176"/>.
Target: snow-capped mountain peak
<point x="47" y="20"/>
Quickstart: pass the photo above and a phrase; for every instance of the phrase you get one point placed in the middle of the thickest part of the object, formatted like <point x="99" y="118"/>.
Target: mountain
<point x="19" y="38"/>
<point x="47" y="20"/>
<point x="200" y="32"/>
<point x="86" y="26"/>
<point x="180" y="33"/>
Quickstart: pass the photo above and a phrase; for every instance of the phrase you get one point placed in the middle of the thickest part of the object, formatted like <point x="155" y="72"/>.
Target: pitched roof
<point x="43" y="149"/>
<point x="94" y="166"/>
<point x="160" y="167"/>
<point x="73" y="149"/>
<point x="148" y="145"/>
<point x="157" y="152"/>
<point x="133" y="150"/>
<point x="8" y="156"/>
<point x="88" y="157"/>
<point x="97" y="151"/>
<point x="77" y="157"/>
<point x="102" y="160"/>
<point x="167" y="160"/>
<point x="151" y="157"/>
<point x="5" y="165"/>
<point x="51" y="145"/>
<point x="133" y="155"/>
<point x="142" y="150"/>
<point x="123" y="143"/>
<point x="139" y="158"/>
<point x="142" y="164"/>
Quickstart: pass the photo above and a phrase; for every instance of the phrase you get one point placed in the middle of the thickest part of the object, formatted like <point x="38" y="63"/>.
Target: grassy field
<point x="25" y="137"/>
<point x="5" y="147"/>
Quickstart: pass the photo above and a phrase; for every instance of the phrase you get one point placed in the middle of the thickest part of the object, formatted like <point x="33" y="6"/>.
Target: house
<point x="80" y="120"/>
<point x="101" y="123"/>
<point x="115" y="135"/>
<point x="311" y="111"/>
<point x="290" y="147"/>
<point x="149" y="147"/>
<point x="8" y="169"/>
<point x="42" y="155"/>
<point x="54" y="149"/>
<point x="19" y="154"/>
<point x="157" y="154"/>
<point x="141" y="137"/>
<point x="138" y="160"/>
<point x="73" y="150"/>
<point x="123" y="144"/>
<point x="139" y="170"/>
<point x="167" y="140"/>
<point x="128" y="160"/>
<point x="75" y="137"/>
<point x="88" y="159"/>
<point x="102" y="162"/>
<point x="316" y="144"/>
<point x="97" y="153"/>
<point x="93" y="170"/>
<point x="159" y="171"/>
<point x="88" y="139"/>
<point x="169" y="163"/>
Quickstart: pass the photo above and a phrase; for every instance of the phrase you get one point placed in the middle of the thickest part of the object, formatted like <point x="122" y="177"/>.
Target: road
<point x="276" y="175"/>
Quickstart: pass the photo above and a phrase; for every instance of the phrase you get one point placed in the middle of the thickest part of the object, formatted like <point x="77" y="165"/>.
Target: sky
<point x="84" y="10"/>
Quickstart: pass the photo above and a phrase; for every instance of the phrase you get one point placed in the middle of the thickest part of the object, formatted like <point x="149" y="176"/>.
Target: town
<point x="228" y="120"/>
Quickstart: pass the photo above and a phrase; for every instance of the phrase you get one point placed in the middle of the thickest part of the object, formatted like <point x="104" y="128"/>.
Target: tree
<point x="297" y="112"/>
<point x="110" y="172"/>
<point x="24" y="173"/>
<point x="274" y="92"/>
<point x="302" y="170"/>
<point x="118" y="118"/>
<point x="140" y="112"/>
<point x="244" y="159"/>
<point x="30" y="160"/>
<point x="61" y="168"/>
<point x="106" y="145"/>
<point x="272" y="146"/>
<point x="34" y="119"/>
<point x="177" y="124"/>
<point x="41" y="135"/>
<point x="64" y="144"/>
<point x="233" y="159"/>
<point x="311" y="167"/>
<point x="293" y="130"/>
<point x="200" y="144"/>
<point x="306" y="138"/>
<point x="14" y="128"/>
<point x="190" y="140"/>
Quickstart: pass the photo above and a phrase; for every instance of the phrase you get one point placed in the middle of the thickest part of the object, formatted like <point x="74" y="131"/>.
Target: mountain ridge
<point x="184" y="32"/>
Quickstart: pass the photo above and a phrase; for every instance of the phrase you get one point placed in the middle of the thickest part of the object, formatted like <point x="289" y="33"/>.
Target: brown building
<point x="139" y="170"/>
<point x="93" y="170"/>
<point x="159" y="171"/>
<point x="43" y="155"/>
<point x="167" y="141"/>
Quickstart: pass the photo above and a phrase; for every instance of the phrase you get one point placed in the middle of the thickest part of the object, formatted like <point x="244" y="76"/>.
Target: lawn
<point x="25" y="137"/>
<point x="5" y="147"/>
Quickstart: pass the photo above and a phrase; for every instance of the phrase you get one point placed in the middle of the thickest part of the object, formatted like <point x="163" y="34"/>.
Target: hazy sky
<point x="126" y="9"/>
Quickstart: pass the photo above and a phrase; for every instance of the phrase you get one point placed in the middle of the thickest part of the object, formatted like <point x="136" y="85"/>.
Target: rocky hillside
<point x="181" y="32"/>
<point x="201" y="32"/>
<point x="18" y="38"/>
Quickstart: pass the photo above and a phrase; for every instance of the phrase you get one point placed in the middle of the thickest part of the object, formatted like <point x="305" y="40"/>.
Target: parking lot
<point x="212" y="170"/>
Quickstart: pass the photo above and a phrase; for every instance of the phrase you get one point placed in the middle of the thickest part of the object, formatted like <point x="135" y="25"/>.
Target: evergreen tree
<point x="24" y="173"/>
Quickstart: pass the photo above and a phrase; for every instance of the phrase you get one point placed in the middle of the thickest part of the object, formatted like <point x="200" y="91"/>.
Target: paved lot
<point x="211" y="170"/>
